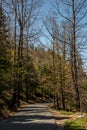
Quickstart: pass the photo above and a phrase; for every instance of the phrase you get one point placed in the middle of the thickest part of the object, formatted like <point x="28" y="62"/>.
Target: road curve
<point x="32" y="117"/>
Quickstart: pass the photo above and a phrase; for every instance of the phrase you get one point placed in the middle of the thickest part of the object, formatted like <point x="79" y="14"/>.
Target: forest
<point x="43" y="55"/>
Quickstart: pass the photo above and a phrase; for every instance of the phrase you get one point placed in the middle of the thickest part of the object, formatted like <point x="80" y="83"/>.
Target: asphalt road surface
<point x="32" y="117"/>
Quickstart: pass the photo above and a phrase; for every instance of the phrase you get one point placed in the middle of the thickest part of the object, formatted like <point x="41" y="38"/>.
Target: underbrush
<point x="78" y="124"/>
<point x="66" y="112"/>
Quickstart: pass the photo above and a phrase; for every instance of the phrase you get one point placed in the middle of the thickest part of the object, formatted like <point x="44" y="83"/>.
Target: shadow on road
<point x="61" y="118"/>
<point x="30" y="118"/>
<point x="30" y="122"/>
<point x="25" y="123"/>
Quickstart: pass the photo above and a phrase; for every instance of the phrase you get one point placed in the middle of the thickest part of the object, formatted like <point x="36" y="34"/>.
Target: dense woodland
<point x="34" y="70"/>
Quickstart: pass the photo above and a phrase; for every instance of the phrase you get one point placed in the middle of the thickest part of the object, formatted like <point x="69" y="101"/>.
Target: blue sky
<point x="45" y="11"/>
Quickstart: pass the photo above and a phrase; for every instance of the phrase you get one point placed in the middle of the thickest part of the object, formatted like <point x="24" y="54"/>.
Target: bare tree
<point x="74" y="12"/>
<point x="58" y="60"/>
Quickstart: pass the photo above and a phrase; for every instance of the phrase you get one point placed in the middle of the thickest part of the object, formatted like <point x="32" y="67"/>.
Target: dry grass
<point x="63" y="117"/>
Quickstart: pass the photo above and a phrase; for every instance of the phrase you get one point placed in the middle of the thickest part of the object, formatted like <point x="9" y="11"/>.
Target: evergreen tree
<point x="4" y="51"/>
<point x="4" y="57"/>
<point x="30" y="78"/>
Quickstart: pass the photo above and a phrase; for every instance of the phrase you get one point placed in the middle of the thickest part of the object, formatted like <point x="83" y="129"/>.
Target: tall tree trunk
<point x="20" y="54"/>
<point x="14" y="99"/>
<point x="61" y="86"/>
<point x="75" y="69"/>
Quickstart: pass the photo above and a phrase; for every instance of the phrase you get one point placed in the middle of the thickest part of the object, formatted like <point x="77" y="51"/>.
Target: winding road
<point x="30" y="117"/>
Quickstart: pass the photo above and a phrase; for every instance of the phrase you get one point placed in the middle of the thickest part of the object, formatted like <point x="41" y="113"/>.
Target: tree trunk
<point x="57" y="101"/>
<point x="54" y="100"/>
<point x="74" y="58"/>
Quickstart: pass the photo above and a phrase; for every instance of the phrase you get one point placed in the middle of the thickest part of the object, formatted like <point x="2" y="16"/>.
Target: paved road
<point x="32" y="117"/>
